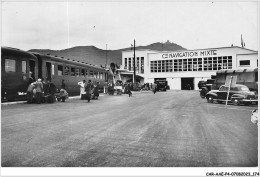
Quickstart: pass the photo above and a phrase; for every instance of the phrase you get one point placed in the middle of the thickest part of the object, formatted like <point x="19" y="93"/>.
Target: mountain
<point x="96" y="56"/>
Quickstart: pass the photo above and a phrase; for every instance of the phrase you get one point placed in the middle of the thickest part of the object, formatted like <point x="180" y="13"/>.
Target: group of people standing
<point x="88" y="90"/>
<point x="42" y="91"/>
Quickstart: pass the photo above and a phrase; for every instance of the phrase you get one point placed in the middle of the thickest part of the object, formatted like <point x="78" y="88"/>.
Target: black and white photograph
<point x="129" y="88"/>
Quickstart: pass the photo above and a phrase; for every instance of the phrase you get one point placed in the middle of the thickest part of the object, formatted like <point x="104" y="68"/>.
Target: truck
<point x="247" y="77"/>
<point x="161" y="85"/>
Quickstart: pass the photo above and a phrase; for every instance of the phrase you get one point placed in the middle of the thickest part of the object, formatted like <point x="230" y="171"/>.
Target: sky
<point x="116" y="24"/>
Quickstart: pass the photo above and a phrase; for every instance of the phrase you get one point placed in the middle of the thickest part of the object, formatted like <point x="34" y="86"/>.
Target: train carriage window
<point x="10" y="65"/>
<point x="82" y="72"/>
<point x="24" y="67"/>
<point x="77" y="72"/>
<point x="72" y="71"/>
<point x="91" y="74"/>
<point x="101" y="75"/>
<point x="52" y="69"/>
<point x="66" y="70"/>
<point x="95" y="74"/>
<point x="98" y="75"/>
<point x="60" y="70"/>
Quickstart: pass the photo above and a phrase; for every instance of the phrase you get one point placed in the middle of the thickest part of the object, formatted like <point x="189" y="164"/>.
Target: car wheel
<point x="210" y="99"/>
<point x="236" y="101"/>
<point x="202" y="94"/>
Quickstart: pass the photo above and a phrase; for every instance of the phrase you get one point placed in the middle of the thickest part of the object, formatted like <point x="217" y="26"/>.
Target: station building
<point x="184" y="67"/>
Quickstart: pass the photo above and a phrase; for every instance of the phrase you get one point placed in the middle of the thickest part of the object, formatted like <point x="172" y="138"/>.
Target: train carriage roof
<point x="8" y="51"/>
<point x="68" y="61"/>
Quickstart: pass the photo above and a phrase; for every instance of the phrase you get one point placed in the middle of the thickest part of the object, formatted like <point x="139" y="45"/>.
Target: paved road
<point x="174" y="128"/>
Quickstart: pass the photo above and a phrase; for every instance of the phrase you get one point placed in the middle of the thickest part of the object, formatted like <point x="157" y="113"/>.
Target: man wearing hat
<point x="39" y="89"/>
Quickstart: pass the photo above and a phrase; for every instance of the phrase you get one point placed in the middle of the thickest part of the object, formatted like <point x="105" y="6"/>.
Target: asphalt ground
<point x="166" y="129"/>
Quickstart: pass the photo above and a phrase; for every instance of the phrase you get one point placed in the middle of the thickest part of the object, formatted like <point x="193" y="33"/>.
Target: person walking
<point x="106" y="87"/>
<point x="154" y="87"/>
<point x="51" y="90"/>
<point x="128" y="89"/>
<point x="88" y="89"/>
<point x="30" y="92"/>
<point x="95" y="91"/>
<point x="82" y="89"/>
<point x="39" y="90"/>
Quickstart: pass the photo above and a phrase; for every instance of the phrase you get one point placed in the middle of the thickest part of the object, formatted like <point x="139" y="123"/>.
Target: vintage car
<point x="205" y="87"/>
<point x="237" y="95"/>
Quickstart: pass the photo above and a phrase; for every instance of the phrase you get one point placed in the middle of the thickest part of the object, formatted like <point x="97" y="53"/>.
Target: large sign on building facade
<point x="188" y="54"/>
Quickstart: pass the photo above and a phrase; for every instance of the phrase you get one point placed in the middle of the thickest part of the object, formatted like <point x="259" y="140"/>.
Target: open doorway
<point x="187" y="83"/>
<point x="48" y="71"/>
<point x="32" y="69"/>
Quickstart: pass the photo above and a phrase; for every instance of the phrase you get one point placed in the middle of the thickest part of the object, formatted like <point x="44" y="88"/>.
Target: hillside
<point x="96" y="56"/>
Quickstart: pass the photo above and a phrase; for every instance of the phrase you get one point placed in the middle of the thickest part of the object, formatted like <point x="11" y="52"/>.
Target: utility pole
<point x="106" y="75"/>
<point x="134" y="64"/>
<point x="106" y="57"/>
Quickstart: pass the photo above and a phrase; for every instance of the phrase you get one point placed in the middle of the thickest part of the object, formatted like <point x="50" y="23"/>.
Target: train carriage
<point x="19" y="66"/>
<point x="57" y="69"/>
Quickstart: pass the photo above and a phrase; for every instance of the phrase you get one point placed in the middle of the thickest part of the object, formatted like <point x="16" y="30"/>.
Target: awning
<point x="230" y="71"/>
<point x="240" y="70"/>
<point x="252" y="70"/>
<point x="221" y="71"/>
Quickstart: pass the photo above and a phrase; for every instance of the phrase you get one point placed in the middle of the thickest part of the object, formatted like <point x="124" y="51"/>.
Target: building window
<point x="60" y="70"/>
<point x="225" y="63"/>
<point x="86" y="73"/>
<point x="163" y="66"/>
<point x="244" y="62"/>
<point x="129" y="64"/>
<point x="185" y="65"/>
<point x="229" y="62"/>
<point x="220" y="63"/>
<point x="142" y="65"/>
<point x="199" y="64"/>
<point x="189" y="64"/>
<point x="138" y="64"/>
<point x="125" y="63"/>
<point x="210" y="64"/>
<point x="9" y="65"/>
<point x="24" y="66"/>
<point x="194" y="64"/>
<point x="175" y="65"/>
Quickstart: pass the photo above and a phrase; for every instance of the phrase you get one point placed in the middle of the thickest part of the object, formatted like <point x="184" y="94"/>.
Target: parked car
<point x="205" y="87"/>
<point x="254" y="117"/>
<point x="237" y="95"/>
